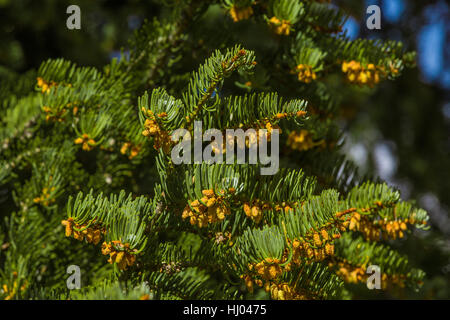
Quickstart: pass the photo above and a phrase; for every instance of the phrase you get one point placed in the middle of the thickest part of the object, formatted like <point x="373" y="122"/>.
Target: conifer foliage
<point x="87" y="179"/>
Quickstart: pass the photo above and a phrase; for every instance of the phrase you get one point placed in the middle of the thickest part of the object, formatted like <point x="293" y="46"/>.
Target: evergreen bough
<point x="85" y="154"/>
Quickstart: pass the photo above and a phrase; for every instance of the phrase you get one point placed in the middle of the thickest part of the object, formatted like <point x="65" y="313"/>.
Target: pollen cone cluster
<point x="80" y="232"/>
<point x="301" y="140"/>
<point x="119" y="253"/>
<point x="283" y="291"/>
<point x="357" y="274"/>
<point x="44" y="85"/>
<point x="240" y="13"/>
<point x="376" y="230"/>
<point x="87" y="143"/>
<point x="317" y="247"/>
<point x="152" y="128"/>
<point x="393" y="229"/>
<point x="268" y="269"/>
<point x="281" y="27"/>
<point x="254" y="209"/>
<point x="285" y="206"/>
<point x="357" y="222"/>
<point x="210" y="208"/>
<point x="305" y="73"/>
<point x="255" y="138"/>
<point x="45" y="199"/>
<point x="129" y="149"/>
<point x="358" y="74"/>
<point x="52" y="115"/>
<point x="14" y="289"/>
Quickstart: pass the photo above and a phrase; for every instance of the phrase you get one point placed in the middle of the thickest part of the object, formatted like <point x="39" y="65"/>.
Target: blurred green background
<point x="400" y="131"/>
